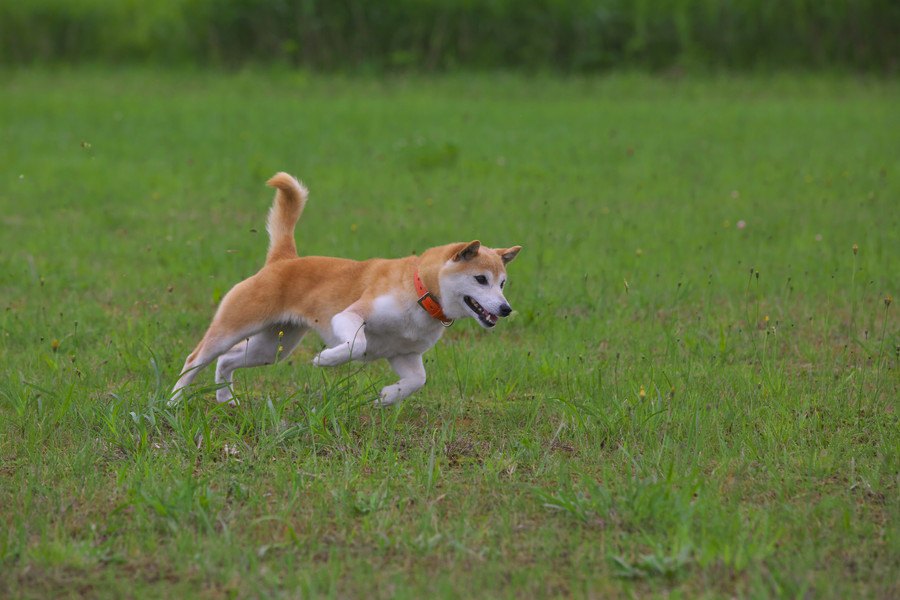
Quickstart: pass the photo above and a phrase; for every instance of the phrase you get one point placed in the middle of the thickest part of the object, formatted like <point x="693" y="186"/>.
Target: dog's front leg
<point x="349" y="329"/>
<point x="412" y="377"/>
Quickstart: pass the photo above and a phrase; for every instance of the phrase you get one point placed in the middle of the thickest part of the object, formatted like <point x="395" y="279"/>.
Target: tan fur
<point x="272" y="309"/>
<point x="283" y="216"/>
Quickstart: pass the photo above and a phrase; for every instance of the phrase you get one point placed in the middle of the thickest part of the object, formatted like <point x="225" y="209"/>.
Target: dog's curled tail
<point x="290" y="198"/>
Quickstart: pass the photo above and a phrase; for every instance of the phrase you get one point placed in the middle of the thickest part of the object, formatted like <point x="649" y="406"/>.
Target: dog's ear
<point x="468" y="252"/>
<point x="507" y="254"/>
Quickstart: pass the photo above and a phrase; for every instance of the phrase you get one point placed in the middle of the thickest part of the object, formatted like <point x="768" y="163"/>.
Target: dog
<point x="394" y="309"/>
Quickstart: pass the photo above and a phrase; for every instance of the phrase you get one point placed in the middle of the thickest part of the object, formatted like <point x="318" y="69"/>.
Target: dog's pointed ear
<point x="508" y="254"/>
<point x="468" y="252"/>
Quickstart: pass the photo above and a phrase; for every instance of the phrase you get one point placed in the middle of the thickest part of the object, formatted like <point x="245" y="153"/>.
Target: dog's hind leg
<point x="412" y="377"/>
<point x="209" y="350"/>
<point x="241" y="315"/>
<point x="266" y="347"/>
<point x="188" y="373"/>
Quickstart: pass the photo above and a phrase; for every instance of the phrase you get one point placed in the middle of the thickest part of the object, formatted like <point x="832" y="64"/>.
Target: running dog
<point x="363" y="310"/>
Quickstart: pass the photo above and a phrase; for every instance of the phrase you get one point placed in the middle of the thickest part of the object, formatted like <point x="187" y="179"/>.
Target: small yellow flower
<point x="54" y="344"/>
<point x="766" y="318"/>
<point x="888" y="300"/>
<point x="642" y="393"/>
<point x="354" y="227"/>
<point x="280" y="334"/>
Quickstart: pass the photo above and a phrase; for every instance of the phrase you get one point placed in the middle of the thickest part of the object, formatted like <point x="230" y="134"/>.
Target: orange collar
<point x="429" y="303"/>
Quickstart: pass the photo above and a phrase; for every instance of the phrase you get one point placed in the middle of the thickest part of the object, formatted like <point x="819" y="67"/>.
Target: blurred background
<point x="439" y="35"/>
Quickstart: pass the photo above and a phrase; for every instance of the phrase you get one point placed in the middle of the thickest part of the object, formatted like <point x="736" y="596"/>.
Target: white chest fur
<point x="394" y="328"/>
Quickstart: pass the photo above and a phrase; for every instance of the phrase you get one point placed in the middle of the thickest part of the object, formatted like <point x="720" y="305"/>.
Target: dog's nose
<point x="505" y="310"/>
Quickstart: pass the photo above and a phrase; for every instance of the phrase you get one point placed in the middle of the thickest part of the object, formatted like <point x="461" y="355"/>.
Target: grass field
<point x="697" y="394"/>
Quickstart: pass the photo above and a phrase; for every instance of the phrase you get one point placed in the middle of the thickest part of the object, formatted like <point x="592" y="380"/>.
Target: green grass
<point x="679" y="405"/>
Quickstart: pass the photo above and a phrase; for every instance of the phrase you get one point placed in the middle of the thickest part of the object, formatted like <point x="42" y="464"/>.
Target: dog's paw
<point x="175" y="399"/>
<point x="223" y="395"/>
<point x="332" y="357"/>
<point x="389" y="396"/>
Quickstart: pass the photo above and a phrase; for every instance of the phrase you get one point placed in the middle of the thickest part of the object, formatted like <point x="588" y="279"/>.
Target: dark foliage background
<point x="568" y="35"/>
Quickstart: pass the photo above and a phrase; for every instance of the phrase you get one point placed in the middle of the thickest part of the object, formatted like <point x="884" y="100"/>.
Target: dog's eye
<point x="481" y="279"/>
<point x="502" y="283"/>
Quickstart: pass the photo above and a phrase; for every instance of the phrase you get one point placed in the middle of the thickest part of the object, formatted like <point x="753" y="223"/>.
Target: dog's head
<point x="472" y="282"/>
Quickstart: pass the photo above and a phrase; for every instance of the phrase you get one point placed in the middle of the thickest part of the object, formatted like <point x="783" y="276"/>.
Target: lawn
<point x="696" y="395"/>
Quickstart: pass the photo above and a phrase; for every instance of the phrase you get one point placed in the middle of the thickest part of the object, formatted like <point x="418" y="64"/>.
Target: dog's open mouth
<point x="487" y="319"/>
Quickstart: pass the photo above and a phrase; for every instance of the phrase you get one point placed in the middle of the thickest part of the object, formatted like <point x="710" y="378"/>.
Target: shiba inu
<point x="394" y="309"/>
